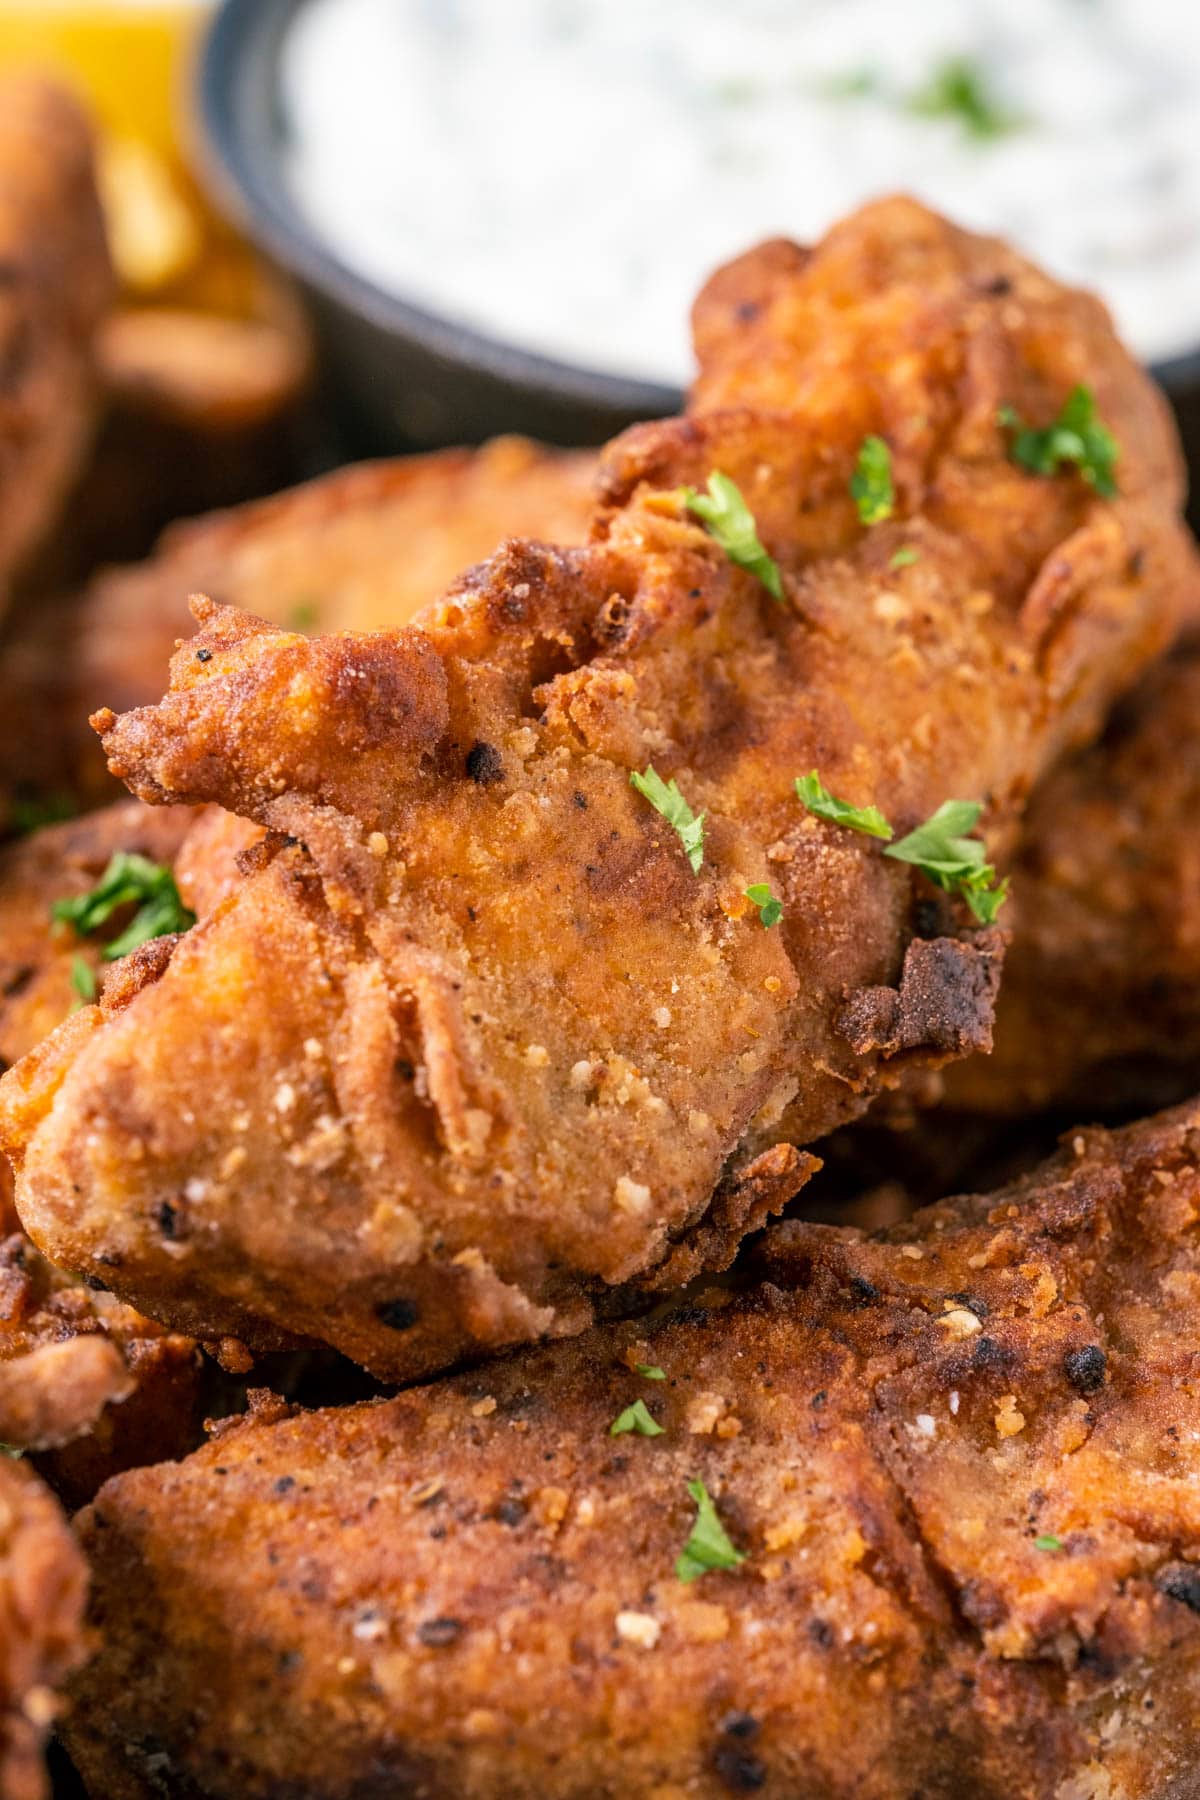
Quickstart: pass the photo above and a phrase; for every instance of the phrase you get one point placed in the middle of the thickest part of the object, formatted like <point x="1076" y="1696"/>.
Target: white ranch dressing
<point x="562" y="174"/>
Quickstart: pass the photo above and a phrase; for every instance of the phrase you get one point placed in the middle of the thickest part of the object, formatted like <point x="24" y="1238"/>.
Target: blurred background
<point x="494" y="213"/>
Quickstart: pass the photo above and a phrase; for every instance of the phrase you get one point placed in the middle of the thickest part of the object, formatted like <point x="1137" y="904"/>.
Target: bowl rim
<point x="239" y="158"/>
<point x="243" y="168"/>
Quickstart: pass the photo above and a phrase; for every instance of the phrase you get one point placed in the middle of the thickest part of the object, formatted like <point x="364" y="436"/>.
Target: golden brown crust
<point x="358" y="550"/>
<point x="55" y="285"/>
<point x="86" y="1383"/>
<point x="1100" y="1007"/>
<point x="60" y="862"/>
<point x="960" y="1460"/>
<point x="43" y="1588"/>
<point x="481" y="1043"/>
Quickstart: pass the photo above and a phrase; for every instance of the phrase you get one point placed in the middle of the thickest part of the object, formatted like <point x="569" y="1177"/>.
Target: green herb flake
<point x="708" y="1547"/>
<point x="849" y="84"/>
<point x="955" y="862"/>
<point x="871" y="483"/>
<point x="83" y="980"/>
<point x="770" y="910"/>
<point x="651" y="1371"/>
<point x="1076" y="438"/>
<point x="958" y="89"/>
<point x="303" y="616"/>
<point x="11" y="1450"/>
<point x="731" y="524"/>
<point x="1047" y="1542"/>
<point x="637" y="1417"/>
<point x="665" y="798"/>
<point x="904" y="557"/>
<point x="129" y="880"/>
<point x="819" y="800"/>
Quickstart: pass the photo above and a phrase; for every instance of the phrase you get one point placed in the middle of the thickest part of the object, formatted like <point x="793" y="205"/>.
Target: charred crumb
<point x="972" y="1304"/>
<point x="168" y="1220"/>
<point x="510" y="1512"/>
<point x="439" y="1634"/>
<point x="398" y="1315"/>
<point x="862" y="1291"/>
<point x="988" y="1354"/>
<point x="1086" y="1369"/>
<point x="1180" y="1581"/>
<point x="740" y="1725"/>
<point x="485" y="765"/>
<point x="741" y="1772"/>
<point x="203" y="656"/>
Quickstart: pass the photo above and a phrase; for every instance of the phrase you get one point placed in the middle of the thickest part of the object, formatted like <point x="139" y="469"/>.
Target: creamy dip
<point x="562" y="174"/>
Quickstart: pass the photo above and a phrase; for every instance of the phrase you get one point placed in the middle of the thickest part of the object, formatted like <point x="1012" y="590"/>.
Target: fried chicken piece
<point x="479" y="1046"/>
<point x="55" y="286"/>
<point x="84" y="1380"/>
<point x="59" y="862"/>
<point x="358" y="550"/>
<point x="43" y="1590"/>
<point x="959" y="1460"/>
<point x="1101" y="1000"/>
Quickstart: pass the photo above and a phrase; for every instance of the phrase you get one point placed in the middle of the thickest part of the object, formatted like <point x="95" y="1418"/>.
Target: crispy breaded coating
<point x="959" y="1460"/>
<point x="55" y="286"/>
<point x="481" y="1046"/>
<point x="1100" y="1007"/>
<point x="357" y="550"/>
<point x="59" y="862"/>
<point x="85" y="1382"/>
<point x="88" y="1387"/>
<point x="43" y="1590"/>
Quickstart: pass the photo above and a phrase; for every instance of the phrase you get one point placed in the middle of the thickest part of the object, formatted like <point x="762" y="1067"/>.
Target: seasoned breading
<point x="479" y="1046"/>
<point x="959" y="1460"/>
<point x="55" y="286"/>
<point x="358" y="550"/>
<point x="85" y="1381"/>
<point x="43" y="1589"/>
<point x="1100" y="1007"/>
<point x="58" y="862"/>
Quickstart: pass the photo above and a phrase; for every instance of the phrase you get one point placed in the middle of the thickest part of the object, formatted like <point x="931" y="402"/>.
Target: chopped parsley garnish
<point x="708" y="1547"/>
<point x="849" y="84"/>
<point x="871" y="482"/>
<point x="953" y="861"/>
<point x="11" y="1450"/>
<point x="637" y="1417"/>
<point x="1076" y="437"/>
<point x="731" y="524"/>
<point x="129" y="880"/>
<point x="940" y="847"/>
<point x="819" y="800"/>
<point x="83" y="980"/>
<point x="770" y="910"/>
<point x="958" y="89"/>
<point x="1047" y="1542"/>
<point x="651" y="1371"/>
<point x="302" y="616"/>
<point x="904" y="557"/>
<point x="665" y="798"/>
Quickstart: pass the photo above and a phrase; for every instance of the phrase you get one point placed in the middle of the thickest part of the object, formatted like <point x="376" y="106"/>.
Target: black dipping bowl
<point x="399" y="376"/>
